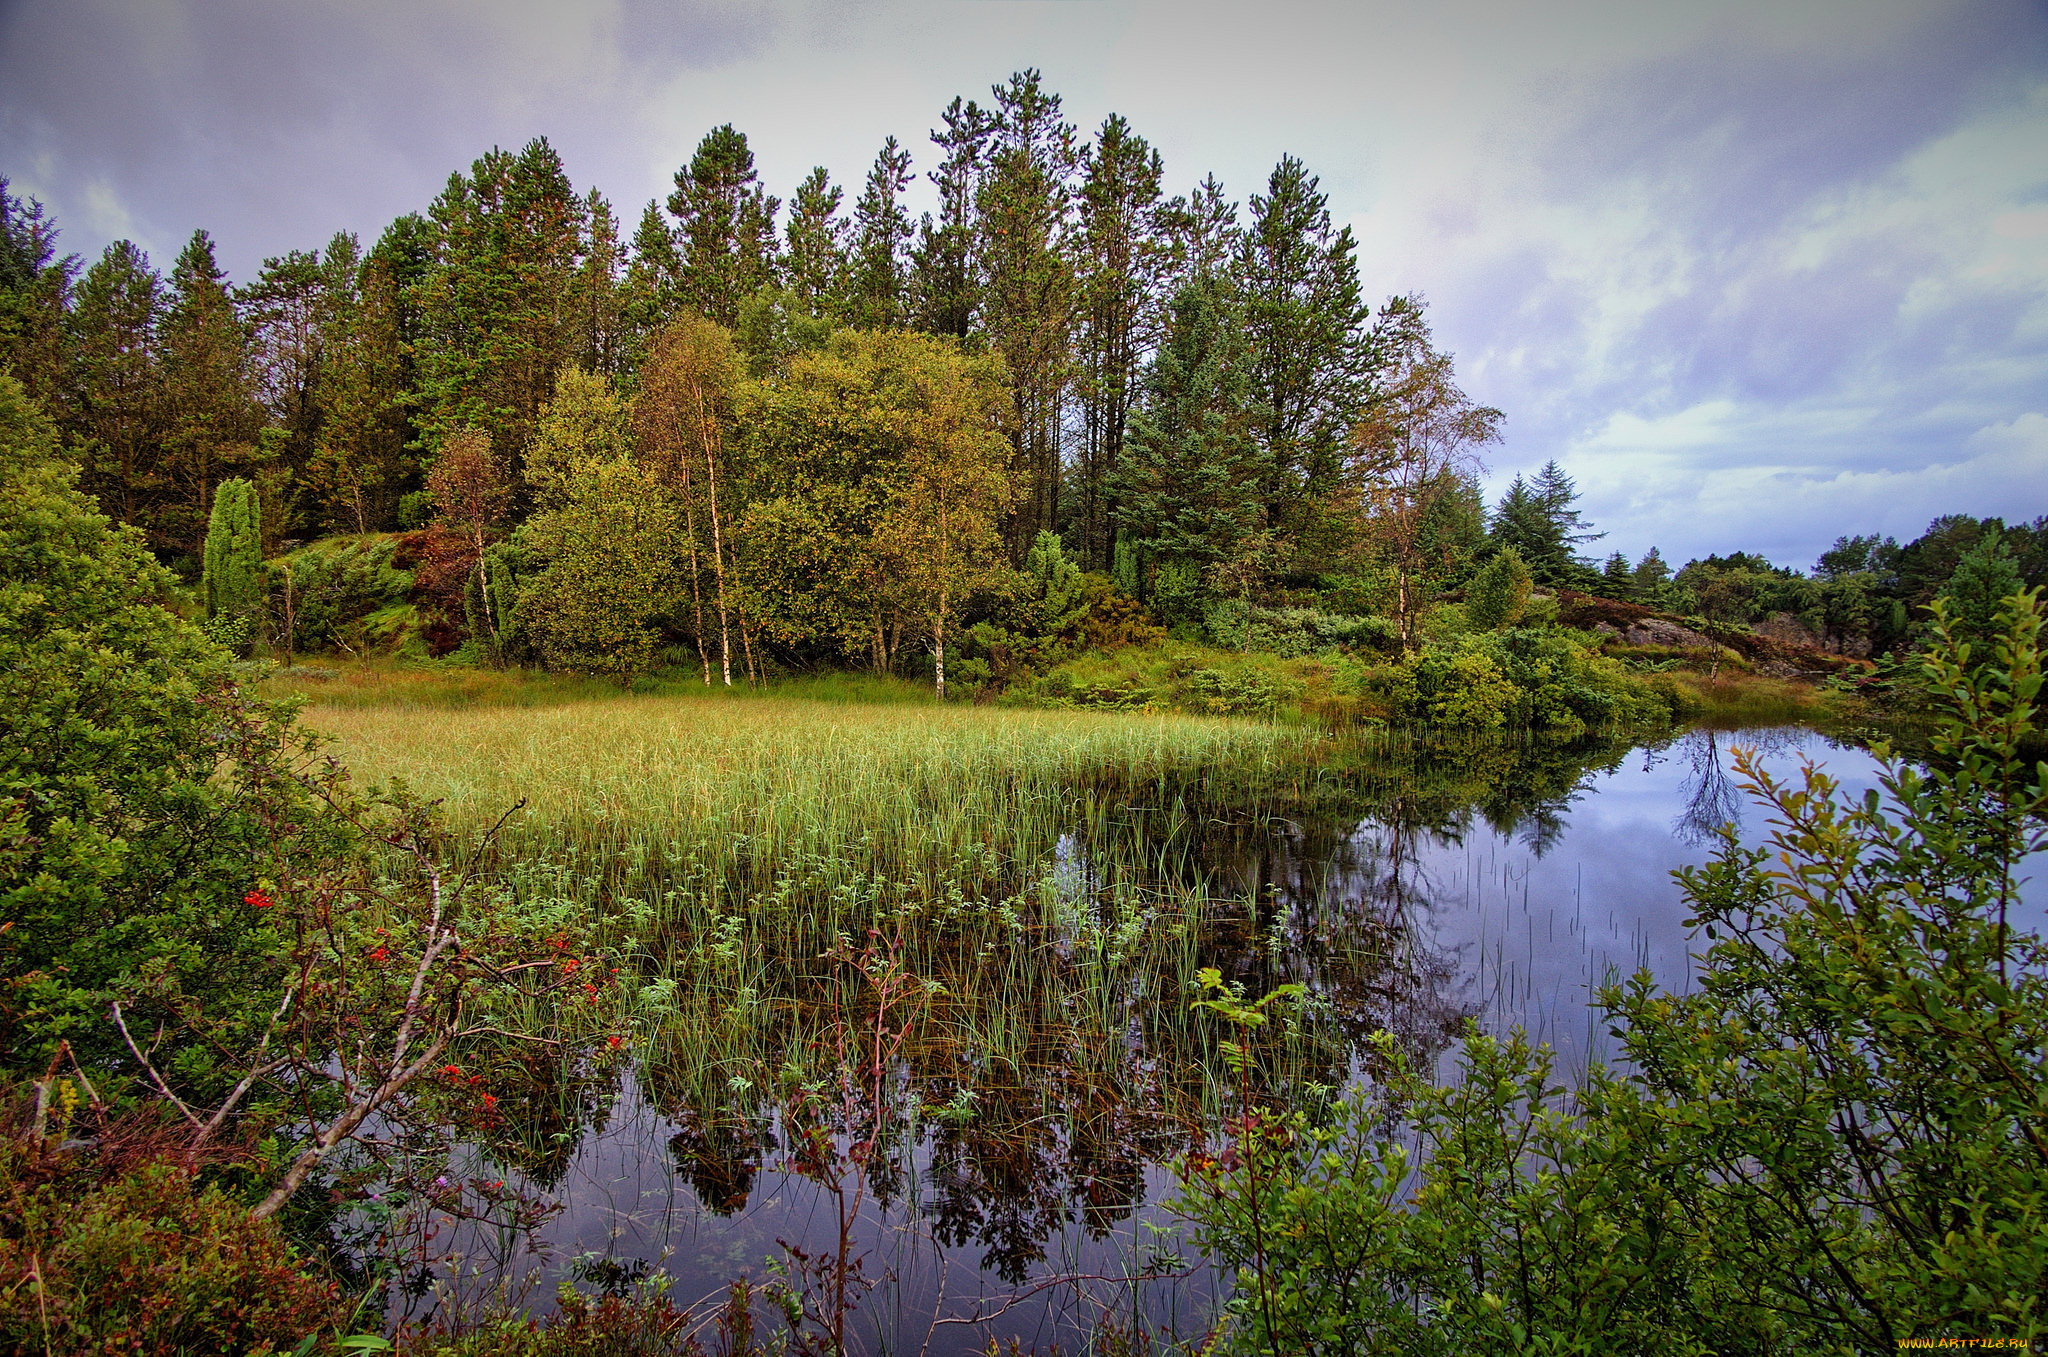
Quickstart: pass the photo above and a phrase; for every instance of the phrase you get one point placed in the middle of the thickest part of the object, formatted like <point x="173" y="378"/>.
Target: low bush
<point x="149" y="1263"/>
<point x="345" y="593"/>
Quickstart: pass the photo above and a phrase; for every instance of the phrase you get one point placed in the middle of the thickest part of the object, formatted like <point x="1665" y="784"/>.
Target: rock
<point x="1655" y="631"/>
<point x="1786" y="629"/>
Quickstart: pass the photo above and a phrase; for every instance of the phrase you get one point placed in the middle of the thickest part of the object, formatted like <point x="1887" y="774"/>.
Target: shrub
<point x="152" y="1264"/>
<point x="232" y="575"/>
<point x="1499" y="593"/>
<point x="333" y="587"/>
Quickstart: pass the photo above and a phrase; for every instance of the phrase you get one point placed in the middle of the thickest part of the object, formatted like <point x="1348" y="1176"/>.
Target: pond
<point x="961" y="1127"/>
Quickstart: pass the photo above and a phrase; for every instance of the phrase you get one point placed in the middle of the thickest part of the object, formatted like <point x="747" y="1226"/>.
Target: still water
<point x="1022" y="1196"/>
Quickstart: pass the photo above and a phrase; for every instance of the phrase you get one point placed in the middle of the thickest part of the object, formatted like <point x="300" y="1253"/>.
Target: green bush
<point x="1527" y="678"/>
<point x="1835" y="1141"/>
<point x="1498" y="595"/>
<point x="232" y="574"/>
<point x="336" y="587"/>
<point x="152" y="1264"/>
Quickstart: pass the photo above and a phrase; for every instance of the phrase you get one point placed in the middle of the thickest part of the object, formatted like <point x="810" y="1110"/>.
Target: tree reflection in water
<point x="1052" y="1063"/>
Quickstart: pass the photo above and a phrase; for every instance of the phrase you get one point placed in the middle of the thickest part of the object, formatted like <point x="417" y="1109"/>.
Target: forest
<point x="1065" y="411"/>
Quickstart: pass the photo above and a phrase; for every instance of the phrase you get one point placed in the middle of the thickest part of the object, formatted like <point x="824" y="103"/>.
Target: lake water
<point x="1021" y="1198"/>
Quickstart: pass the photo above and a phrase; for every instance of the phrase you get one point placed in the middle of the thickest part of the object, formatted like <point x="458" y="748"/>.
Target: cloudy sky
<point x="1756" y="274"/>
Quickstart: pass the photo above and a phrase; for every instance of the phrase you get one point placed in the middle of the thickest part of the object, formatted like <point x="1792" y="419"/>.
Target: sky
<point x="1755" y="275"/>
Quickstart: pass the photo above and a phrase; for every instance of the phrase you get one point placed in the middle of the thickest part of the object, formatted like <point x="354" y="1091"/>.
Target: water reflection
<point x="1052" y="1068"/>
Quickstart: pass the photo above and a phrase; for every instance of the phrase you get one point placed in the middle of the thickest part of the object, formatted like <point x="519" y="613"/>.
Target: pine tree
<point x="946" y="268"/>
<point x="232" y="567"/>
<point x="815" y="260"/>
<point x="599" y="340"/>
<point x="1025" y="217"/>
<point x="726" y="223"/>
<point x="1200" y="235"/>
<point x="875" y="285"/>
<point x="212" y="418"/>
<point x="117" y="397"/>
<point x="1120" y="253"/>
<point x="1308" y="331"/>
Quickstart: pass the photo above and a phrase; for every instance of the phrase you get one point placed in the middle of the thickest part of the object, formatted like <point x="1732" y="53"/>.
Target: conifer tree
<point x="816" y="257"/>
<point x="117" y="398"/>
<point x="654" y="279"/>
<point x="212" y="418"/>
<point x="232" y="567"/>
<point x="1310" y="357"/>
<point x="1651" y="575"/>
<point x="1190" y="485"/>
<point x="1984" y="578"/>
<point x="359" y="459"/>
<point x="35" y="293"/>
<point x="495" y="305"/>
<point x="726" y="224"/>
<point x="1618" y="577"/>
<point x="875" y="286"/>
<point x="1537" y="519"/>
<point x="599" y="341"/>
<point x="1025" y="218"/>
<point x="1200" y="235"/>
<point x="946" y="266"/>
<point x="1120" y="262"/>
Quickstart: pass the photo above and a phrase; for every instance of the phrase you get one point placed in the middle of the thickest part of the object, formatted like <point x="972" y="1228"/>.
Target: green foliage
<point x="1499" y="594"/>
<point x="337" y="585"/>
<point x="611" y="572"/>
<point x="233" y="576"/>
<point x="121" y="849"/>
<point x="1983" y="579"/>
<point x="1835" y="1141"/>
<point x="1054" y="584"/>
<point x="1528" y="678"/>
<point x="150" y="1263"/>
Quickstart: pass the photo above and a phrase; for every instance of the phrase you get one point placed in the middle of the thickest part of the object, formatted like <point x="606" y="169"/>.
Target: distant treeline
<point x="751" y="414"/>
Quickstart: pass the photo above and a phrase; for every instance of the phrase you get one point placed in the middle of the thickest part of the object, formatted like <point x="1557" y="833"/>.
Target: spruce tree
<point x="1537" y="519"/>
<point x="1189" y="487"/>
<point x="1618" y="578"/>
<point x="35" y="292"/>
<point x="232" y="577"/>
